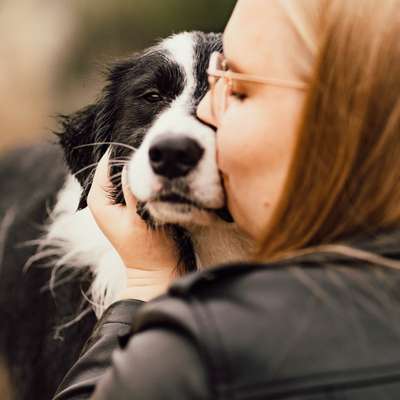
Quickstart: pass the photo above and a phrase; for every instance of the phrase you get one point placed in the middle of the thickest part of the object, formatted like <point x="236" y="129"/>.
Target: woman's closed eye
<point x="237" y="95"/>
<point x="237" y="92"/>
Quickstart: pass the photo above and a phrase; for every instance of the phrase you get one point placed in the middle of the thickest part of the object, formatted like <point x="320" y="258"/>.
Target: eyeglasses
<point x="218" y="68"/>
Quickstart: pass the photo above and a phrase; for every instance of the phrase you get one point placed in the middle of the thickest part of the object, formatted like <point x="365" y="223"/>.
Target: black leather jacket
<point x="318" y="327"/>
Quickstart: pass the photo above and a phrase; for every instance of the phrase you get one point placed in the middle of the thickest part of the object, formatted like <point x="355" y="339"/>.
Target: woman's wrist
<point x="146" y="284"/>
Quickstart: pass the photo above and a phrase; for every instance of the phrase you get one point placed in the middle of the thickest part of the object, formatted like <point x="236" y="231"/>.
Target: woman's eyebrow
<point x="233" y="66"/>
<point x="230" y="56"/>
<point x="229" y="62"/>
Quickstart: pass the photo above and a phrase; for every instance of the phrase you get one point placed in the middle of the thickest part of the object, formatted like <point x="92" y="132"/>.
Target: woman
<point x="308" y="125"/>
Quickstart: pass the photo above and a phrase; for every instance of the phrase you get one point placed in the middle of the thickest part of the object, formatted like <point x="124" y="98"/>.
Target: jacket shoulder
<point x="261" y="324"/>
<point x="226" y="311"/>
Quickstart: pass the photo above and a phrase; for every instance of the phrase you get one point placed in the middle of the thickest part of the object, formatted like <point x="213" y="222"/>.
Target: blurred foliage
<point x="119" y="27"/>
<point x="52" y="52"/>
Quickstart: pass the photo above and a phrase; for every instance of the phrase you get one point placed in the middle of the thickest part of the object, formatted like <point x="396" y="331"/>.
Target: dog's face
<point x="148" y="113"/>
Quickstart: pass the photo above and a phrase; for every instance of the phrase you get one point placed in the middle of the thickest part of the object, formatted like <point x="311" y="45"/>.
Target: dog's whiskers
<point x="116" y="175"/>
<point x="103" y="143"/>
<point x="93" y="165"/>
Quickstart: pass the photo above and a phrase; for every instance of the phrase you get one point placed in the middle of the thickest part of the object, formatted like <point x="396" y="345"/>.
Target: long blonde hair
<point x="344" y="177"/>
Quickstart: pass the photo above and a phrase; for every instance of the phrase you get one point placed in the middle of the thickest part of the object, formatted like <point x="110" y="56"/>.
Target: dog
<point x="146" y="118"/>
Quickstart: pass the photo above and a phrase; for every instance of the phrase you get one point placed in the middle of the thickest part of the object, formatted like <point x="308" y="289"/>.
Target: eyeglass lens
<point x="218" y="87"/>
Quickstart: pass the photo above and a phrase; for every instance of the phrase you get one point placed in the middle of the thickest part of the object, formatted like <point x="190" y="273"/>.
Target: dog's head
<point x="147" y="116"/>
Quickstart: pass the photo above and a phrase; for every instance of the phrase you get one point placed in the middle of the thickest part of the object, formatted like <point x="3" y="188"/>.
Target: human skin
<point x="151" y="261"/>
<point x="255" y="141"/>
<point x="257" y="133"/>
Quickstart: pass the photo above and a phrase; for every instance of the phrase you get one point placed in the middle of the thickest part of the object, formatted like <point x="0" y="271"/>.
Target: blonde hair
<point x="344" y="177"/>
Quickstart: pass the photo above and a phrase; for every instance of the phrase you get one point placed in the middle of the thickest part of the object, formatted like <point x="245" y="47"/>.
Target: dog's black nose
<point x="175" y="156"/>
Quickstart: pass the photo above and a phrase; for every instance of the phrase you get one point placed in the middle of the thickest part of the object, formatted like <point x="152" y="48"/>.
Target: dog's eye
<point x="152" y="97"/>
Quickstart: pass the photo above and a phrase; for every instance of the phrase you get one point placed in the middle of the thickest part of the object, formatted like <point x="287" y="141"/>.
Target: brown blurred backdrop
<point x="52" y="52"/>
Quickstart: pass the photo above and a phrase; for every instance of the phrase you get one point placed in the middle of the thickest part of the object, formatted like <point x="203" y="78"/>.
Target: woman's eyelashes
<point x="237" y="92"/>
<point x="238" y="96"/>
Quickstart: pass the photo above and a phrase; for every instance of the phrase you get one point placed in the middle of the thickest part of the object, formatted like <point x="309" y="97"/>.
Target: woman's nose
<point x="204" y="110"/>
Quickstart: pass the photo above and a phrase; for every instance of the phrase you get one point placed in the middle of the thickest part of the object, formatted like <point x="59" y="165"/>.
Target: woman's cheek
<point x="223" y="151"/>
<point x="228" y="146"/>
<point x="241" y="207"/>
<point x="227" y="159"/>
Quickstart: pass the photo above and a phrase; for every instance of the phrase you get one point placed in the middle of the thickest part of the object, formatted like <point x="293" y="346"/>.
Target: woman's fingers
<point x="128" y="196"/>
<point x="150" y="252"/>
<point x="99" y="203"/>
<point x="100" y="184"/>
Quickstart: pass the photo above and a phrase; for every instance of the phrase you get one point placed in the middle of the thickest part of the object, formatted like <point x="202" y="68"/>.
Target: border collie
<point x="146" y="118"/>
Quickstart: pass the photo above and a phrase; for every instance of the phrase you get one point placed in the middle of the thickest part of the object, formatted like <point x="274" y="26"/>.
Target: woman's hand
<point x="149" y="255"/>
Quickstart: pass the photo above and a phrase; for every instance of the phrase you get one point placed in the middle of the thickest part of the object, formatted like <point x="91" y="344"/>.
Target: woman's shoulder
<point x="275" y="318"/>
<point x="326" y="283"/>
<point x="272" y="298"/>
<point x="212" y="287"/>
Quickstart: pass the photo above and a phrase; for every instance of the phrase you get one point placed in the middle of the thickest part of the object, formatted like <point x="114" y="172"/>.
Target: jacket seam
<point x="208" y="359"/>
<point x="279" y="391"/>
<point x="215" y="354"/>
<point x="116" y="322"/>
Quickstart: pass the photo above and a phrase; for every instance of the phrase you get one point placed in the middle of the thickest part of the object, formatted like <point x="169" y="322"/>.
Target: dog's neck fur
<point x="219" y="244"/>
<point x="79" y="243"/>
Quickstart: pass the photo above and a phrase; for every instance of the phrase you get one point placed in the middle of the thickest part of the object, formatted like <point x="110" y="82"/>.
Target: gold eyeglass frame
<point x="218" y="68"/>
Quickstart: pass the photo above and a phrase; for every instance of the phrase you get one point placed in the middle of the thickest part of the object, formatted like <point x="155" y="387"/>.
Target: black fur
<point x="205" y="45"/>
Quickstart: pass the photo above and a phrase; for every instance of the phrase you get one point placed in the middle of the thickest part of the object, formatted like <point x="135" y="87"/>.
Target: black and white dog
<point x="146" y="118"/>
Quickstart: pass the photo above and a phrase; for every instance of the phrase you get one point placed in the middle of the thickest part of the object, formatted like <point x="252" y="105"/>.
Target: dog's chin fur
<point x="181" y="214"/>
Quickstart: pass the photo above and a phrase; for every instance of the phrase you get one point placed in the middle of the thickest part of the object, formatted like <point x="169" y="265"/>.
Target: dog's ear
<point x="86" y="134"/>
<point x="76" y="137"/>
<point x="81" y="140"/>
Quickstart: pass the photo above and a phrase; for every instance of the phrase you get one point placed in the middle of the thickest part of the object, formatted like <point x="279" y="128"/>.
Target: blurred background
<point x="53" y="52"/>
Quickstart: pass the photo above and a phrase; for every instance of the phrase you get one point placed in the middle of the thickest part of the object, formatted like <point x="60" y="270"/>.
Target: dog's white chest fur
<point x="81" y="244"/>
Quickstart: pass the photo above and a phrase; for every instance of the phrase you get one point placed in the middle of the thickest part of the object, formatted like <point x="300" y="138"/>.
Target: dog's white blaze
<point x="181" y="48"/>
<point x="140" y="174"/>
<point x="204" y="181"/>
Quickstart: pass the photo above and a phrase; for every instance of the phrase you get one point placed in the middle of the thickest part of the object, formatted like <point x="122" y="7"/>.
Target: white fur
<point x="180" y="47"/>
<point x="81" y="244"/>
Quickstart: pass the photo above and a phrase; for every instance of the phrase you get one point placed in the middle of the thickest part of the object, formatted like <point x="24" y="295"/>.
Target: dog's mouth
<point x="176" y="198"/>
<point x="185" y="204"/>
